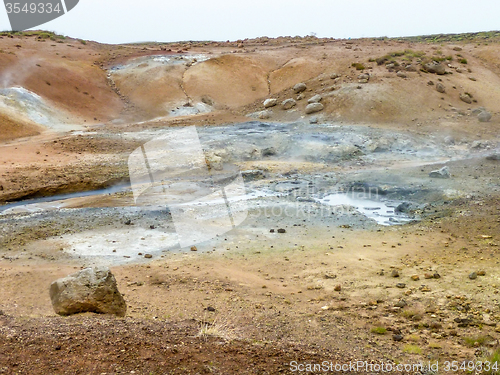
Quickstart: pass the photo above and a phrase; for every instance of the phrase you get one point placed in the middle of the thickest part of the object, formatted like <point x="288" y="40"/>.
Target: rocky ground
<point x="331" y="286"/>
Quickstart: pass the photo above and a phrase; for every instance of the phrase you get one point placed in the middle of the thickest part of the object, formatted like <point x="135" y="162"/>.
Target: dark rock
<point x="281" y="230"/>
<point x="395" y="273"/>
<point x="473" y="275"/>
<point x="398" y="338"/>
<point x="148" y="256"/>
<point x="400" y="285"/>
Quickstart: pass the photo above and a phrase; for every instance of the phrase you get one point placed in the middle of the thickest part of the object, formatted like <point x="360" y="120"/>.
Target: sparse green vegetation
<point x="84" y="42"/>
<point x="463" y="61"/>
<point x="379" y="330"/>
<point x="471" y="341"/>
<point x="412" y="314"/>
<point x="412" y="349"/>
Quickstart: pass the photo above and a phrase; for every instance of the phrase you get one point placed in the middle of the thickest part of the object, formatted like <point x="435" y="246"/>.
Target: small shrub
<point x="449" y="58"/>
<point x="379" y="330"/>
<point x="358" y="66"/>
<point x="463" y="61"/>
<point x="84" y="42"/>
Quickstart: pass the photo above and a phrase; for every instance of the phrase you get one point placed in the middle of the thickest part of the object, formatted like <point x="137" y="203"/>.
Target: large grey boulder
<point x="89" y="290"/>
<point x="440" y="173"/>
<point x="288" y="104"/>
<point x="299" y="87"/>
<point x="314" y="107"/>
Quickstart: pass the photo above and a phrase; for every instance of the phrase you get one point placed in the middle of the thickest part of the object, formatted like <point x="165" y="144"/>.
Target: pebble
<point x="415" y="278"/>
<point x="194" y="248"/>
<point x="338" y="288"/>
<point x="395" y="273"/>
<point x="281" y="230"/>
<point x="148" y="256"/>
<point x="397" y="338"/>
<point x="400" y="285"/>
<point x="473" y="275"/>
<point x="481" y="273"/>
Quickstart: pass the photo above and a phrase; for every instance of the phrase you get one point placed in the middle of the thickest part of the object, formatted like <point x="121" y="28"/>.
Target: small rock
<point x="128" y="222"/>
<point x="497" y="329"/>
<point x="288" y="104"/>
<point x="395" y="273"/>
<point x="473" y="275"/>
<point x="210" y="308"/>
<point x="194" y="248"/>
<point x="449" y="140"/>
<point x="411" y="68"/>
<point x="313" y="120"/>
<point x="299" y="87"/>
<point x="313" y="108"/>
<point x="264" y="115"/>
<point x="148" y="256"/>
<point x="271" y="230"/>
<point x="398" y="338"/>
<point x="484" y="116"/>
<point x="402" y="303"/>
<point x="334" y="76"/>
<point x="338" y="288"/>
<point x="400" y="285"/>
<point x="440" y="173"/>
<point x="440" y="88"/>
<point x="466" y="98"/>
<point x="268" y="103"/>
<point x="428" y="276"/>
<point x="315" y="99"/>
<point x="401" y="74"/>
<point x="415" y="278"/>
<point x="281" y="230"/>
<point x="481" y="273"/>
<point x="434" y="67"/>
<point x="437" y="275"/>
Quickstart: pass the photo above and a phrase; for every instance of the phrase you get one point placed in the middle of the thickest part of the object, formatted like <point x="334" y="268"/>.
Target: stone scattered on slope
<point x="314" y="107"/>
<point x="89" y="290"/>
<point x="440" y="88"/>
<point x="434" y="67"/>
<point x="315" y="99"/>
<point x="268" y="103"/>
<point x="299" y="87"/>
<point x="264" y="115"/>
<point x="466" y="98"/>
<point x="288" y="104"/>
<point x="484" y="116"/>
<point x="401" y="74"/>
<point x="440" y="173"/>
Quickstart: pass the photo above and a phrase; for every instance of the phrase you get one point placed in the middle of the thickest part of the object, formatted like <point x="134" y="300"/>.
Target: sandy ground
<point x="322" y="291"/>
